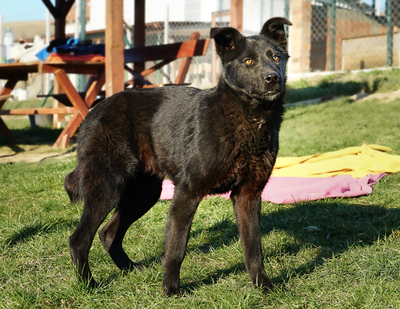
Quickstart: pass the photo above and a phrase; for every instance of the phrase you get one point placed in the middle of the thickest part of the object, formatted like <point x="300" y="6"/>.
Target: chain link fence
<point x="200" y="72"/>
<point x="350" y="34"/>
<point x="170" y="31"/>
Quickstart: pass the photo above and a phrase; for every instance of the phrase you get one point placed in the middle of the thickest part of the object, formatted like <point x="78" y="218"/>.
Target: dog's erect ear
<point x="227" y="41"/>
<point x="274" y="29"/>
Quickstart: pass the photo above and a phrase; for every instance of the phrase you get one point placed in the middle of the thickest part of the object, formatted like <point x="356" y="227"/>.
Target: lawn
<point x="351" y="261"/>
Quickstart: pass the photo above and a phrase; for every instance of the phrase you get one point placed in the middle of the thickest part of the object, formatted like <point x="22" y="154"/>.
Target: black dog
<point x="206" y="141"/>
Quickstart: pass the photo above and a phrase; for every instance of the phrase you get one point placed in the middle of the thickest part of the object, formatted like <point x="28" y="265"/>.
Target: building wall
<point x="300" y="36"/>
<point x="351" y="24"/>
<point x="355" y="56"/>
<point x="310" y="35"/>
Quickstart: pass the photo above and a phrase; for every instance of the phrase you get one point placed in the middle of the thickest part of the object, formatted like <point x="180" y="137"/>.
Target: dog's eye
<point x="276" y="58"/>
<point x="249" y="61"/>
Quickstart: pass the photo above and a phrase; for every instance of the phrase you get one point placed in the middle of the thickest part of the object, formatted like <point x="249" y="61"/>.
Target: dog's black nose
<point x="272" y="78"/>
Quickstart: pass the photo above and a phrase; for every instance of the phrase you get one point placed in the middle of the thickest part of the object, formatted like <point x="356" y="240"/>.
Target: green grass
<point x="343" y="84"/>
<point x="351" y="261"/>
<point x="32" y="103"/>
<point x="338" y="124"/>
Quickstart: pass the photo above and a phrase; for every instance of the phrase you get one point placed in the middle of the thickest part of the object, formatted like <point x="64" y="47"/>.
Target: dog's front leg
<point x="177" y="232"/>
<point x="247" y="207"/>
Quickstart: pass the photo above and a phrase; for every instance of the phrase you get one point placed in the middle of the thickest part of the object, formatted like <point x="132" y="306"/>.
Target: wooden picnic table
<point x="14" y="72"/>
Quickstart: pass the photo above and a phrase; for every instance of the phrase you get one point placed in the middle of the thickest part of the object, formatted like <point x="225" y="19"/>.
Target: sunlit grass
<point x="351" y="261"/>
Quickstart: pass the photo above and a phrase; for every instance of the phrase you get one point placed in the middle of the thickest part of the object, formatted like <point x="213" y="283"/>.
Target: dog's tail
<point x="72" y="188"/>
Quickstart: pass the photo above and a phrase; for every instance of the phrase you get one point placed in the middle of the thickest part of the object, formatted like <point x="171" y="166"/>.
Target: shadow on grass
<point x="40" y="228"/>
<point x="326" y="90"/>
<point x="340" y="226"/>
<point x="31" y="136"/>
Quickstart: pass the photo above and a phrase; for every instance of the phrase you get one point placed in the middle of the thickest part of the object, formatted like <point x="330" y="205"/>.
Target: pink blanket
<point x="284" y="190"/>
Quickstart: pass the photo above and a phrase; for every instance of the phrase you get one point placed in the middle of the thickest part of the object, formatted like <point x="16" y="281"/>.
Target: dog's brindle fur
<point x="207" y="141"/>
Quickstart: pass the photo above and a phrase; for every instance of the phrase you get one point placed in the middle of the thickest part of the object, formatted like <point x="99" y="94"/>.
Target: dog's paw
<point x="171" y="291"/>
<point x="264" y="283"/>
<point x="132" y="267"/>
<point x="93" y="284"/>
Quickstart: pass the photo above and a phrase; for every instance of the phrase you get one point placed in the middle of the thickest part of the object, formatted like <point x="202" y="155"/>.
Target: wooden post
<point x="59" y="12"/>
<point x="237" y="14"/>
<point x="139" y="39"/>
<point x="114" y="46"/>
<point x="215" y="65"/>
<point x="59" y="23"/>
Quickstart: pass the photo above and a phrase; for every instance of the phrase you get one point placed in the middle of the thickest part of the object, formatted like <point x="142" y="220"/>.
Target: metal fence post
<point x="286" y="12"/>
<point x="333" y="31"/>
<point x="286" y="9"/>
<point x="389" y="54"/>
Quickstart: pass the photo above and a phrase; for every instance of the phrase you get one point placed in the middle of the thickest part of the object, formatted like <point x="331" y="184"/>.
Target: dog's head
<point x="255" y="65"/>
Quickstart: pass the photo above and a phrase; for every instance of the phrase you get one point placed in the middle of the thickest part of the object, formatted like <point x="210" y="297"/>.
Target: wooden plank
<point x="38" y="111"/>
<point x="77" y="67"/>
<point x="184" y="67"/>
<point x="155" y="67"/>
<point x="66" y="7"/>
<point x="73" y="96"/>
<point x="51" y="8"/>
<point x="168" y="51"/>
<point x="94" y="89"/>
<point x="65" y="141"/>
<point x="5" y="97"/>
<point x="5" y="131"/>
<point x="75" y="121"/>
<point x="237" y="15"/>
<point x="114" y="47"/>
<point x="69" y="129"/>
<point x="140" y="28"/>
<point x="6" y="90"/>
<point x="18" y="71"/>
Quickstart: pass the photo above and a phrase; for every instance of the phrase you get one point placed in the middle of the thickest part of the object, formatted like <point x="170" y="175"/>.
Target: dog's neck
<point x="254" y="105"/>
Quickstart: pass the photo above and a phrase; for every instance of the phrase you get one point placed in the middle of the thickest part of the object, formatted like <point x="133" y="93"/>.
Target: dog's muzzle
<point x="273" y="83"/>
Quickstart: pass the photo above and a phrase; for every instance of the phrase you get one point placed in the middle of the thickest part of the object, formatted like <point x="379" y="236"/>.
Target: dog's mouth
<point x="271" y="93"/>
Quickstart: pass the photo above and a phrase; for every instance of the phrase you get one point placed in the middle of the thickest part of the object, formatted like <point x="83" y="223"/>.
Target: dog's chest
<point x="251" y="155"/>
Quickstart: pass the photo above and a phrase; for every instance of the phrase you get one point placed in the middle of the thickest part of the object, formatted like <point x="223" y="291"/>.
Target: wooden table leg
<point x="71" y="92"/>
<point x="7" y="89"/>
<point x="75" y="121"/>
<point x="6" y="131"/>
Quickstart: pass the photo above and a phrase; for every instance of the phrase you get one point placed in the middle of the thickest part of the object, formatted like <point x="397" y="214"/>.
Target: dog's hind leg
<point x="98" y="203"/>
<point x="139" y="196"/>
<point x="71" y="186"/>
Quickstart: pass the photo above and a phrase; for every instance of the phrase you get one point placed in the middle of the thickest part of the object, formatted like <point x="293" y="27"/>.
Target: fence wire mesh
<point x="200" y="72"/>
<point x="353" y="34"/>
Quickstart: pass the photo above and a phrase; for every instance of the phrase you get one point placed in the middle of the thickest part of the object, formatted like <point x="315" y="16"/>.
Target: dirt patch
<point x="382" y="97"/>
<point x="33" y="153"/>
